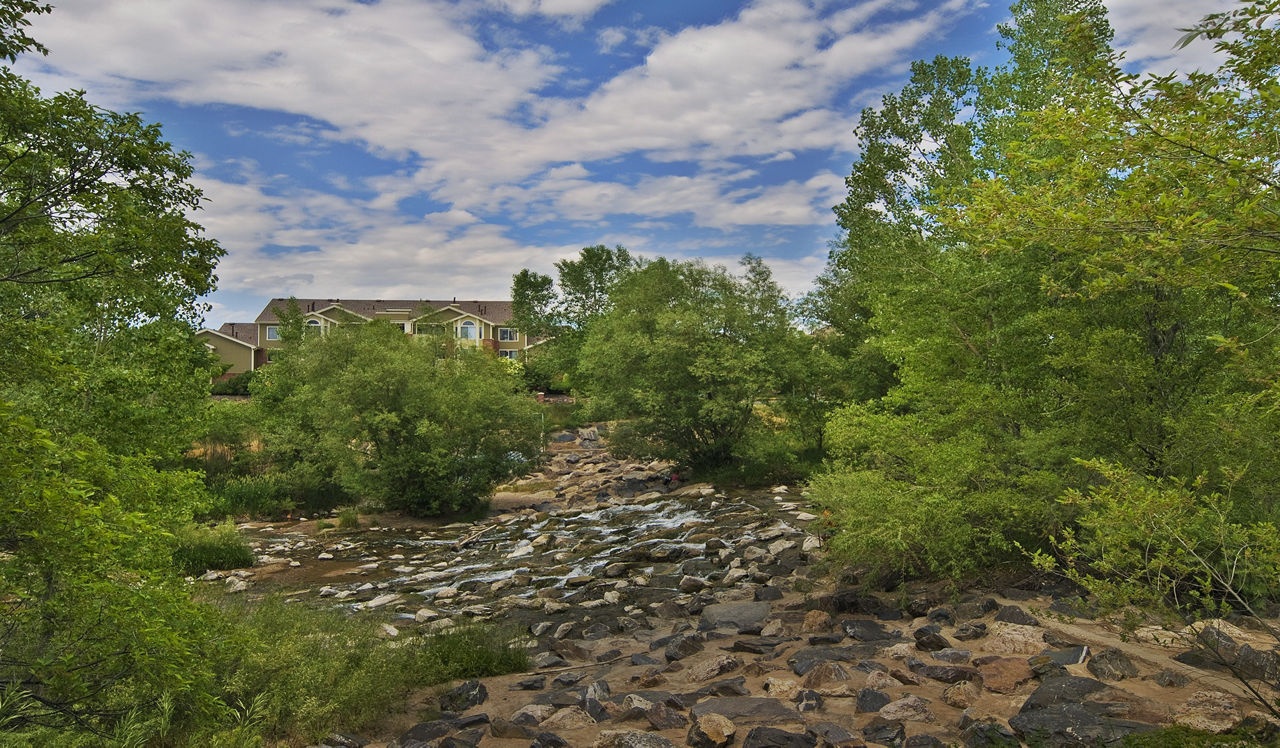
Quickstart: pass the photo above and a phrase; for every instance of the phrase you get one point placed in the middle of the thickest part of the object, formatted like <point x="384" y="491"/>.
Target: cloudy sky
<point x="433" y="148"/>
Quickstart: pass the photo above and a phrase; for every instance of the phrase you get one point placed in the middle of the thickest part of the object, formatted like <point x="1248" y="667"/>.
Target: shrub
<point x="200" y="549"/>
<point x="254" y="495"/>
<point x="237" y="385"/>
<point x="310" y="671"/>
<point x="348" y="518"/>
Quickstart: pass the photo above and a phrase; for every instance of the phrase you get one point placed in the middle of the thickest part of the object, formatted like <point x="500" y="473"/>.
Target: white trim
<point x="224" y="335"/>
<point x="266" y="333"/>
<point x="343" y="308"/>
<point x="512" y="330"/>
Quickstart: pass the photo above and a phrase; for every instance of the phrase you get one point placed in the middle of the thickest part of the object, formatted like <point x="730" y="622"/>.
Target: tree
<point x="688" y="352"/>
<point x="563" y="312"/>
<point x="1077" y="274"/>
<point x="400" y="420"/>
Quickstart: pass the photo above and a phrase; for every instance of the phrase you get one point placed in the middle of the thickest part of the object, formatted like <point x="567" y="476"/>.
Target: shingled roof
<point x="497" y="312"/>
<point x="245" y="332"/>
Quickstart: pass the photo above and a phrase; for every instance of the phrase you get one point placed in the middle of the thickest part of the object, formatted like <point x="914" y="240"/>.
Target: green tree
<point x="1065" y="275"/>
<point x="689" y="352"/>
<point x="400" y="420"/>
<point x="563" y="311"/>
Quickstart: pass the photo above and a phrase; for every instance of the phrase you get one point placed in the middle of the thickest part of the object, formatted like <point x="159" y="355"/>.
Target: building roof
<point x="245" y="332"/>
<point x="497" y="312"/>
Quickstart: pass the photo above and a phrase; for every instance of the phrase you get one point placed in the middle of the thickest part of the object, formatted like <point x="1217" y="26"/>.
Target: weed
<point x="200" y="549"/>
<point x="348" y="519"/>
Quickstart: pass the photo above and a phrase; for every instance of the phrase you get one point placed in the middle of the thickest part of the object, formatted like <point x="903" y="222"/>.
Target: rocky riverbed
<point x="661" y="613"/>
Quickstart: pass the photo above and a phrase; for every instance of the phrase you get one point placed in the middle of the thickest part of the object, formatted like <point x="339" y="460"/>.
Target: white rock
<point x="325" y="556"/>
<point x="382" y="600"/>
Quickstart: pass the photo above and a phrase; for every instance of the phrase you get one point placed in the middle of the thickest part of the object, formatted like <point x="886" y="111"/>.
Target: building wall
<point x="239" y="356"/>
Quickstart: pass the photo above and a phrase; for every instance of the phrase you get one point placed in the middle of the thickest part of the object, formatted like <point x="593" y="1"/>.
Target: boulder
<point x="746" y="709"/>
<point x="711" y="731"/>
<point x="1111" y="664"/>
<point x="907" y="709"/>
<point x="463" y="697"/>
<point x="1210" y="711"/>
<point x="772" y="737"/>
<point x="746" y="616"/>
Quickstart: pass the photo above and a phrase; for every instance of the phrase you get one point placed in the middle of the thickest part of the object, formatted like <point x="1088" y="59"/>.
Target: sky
<point x="429" y="149"/>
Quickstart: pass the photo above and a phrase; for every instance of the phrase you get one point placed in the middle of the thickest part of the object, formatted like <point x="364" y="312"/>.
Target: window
<point x="273" y="332"/>
<point x="508" y="335"/>
<point x="467" y="330"/>
<point x="313" y="325"/>
<point x="513" y="355"/>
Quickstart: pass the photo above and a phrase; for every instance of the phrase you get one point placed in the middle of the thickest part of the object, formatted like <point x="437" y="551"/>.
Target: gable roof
<point x="245" y="333"/>
<point x="496" y="312"/>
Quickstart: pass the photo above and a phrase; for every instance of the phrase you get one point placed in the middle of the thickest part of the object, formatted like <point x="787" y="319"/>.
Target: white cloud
<point x="1149" y="34"/>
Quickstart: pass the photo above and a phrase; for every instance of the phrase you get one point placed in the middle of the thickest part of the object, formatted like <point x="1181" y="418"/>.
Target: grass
<point x="1185" y="737"/>
<point x="560" y="416"/>
<point x="200" y="549"/>
<point x="308" y="672"/>
<point x="531" y="487"/>
<point x="348" y="519"/>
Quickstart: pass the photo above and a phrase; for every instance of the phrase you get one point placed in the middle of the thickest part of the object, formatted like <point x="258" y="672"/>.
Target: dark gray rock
<point x="970" y="630"/>
<point x="831" y="735"/>
<point x="1170" y="679"/>
<point x="1014" y="614"/>
<point x="633" y="739"/>
<point x="953" y="656"/>
<point x="424" y="732"/>
<point x="988" y="734"/>
<point x="739" y="616"/>
<point x="726" y="687"/>
<point x="1111" y="664"/>
<point x="1068" y="656"/>
<point x="1073" y="725"/>
<point x="501" y="728"/>
<point x="463" y="697"/>
<point x="942" y="617"/>
<point x="1070" y="689"/>
<point x="767" y="593"/>
<point x="639" y="658"/>
<point x="344" y="740"/>
<point x="746" y="709"/>
<point x="870" y="700"/>
<point x="544" y="660"/>
<point x="808" y="658"/>
<point x="565" y="680"/>
<point x="928" y="639"/>
<point x="948" y="673"/>
<point x="536" y="683"/>
<point x="863" y="630"/>
<point x="923" y="741"/>
<point x="756" y="645"/>
<point x="682" y="646"/>
<point x="883" y="731"/>
<point x="548" y="740"/>
<point x="772" y="737"/>
<point x="663" y="717"/>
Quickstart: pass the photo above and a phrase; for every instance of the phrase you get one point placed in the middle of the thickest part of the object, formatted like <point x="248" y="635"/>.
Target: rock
<point x="537" y="683"/>
<point x="816" y="622"/>
<point x="711" y="731"/>
<point x="962" y="694"/>
<point x="691" y="583"/>
<point x="1073" y="725"/>
<point x="864" y="630"/>
<point x="682" y="646"/>
<point x="744" y="617"/>
<point x="1004" y="674"/>
<point x="463" y="697"/>
<point x="884" y="732"/>
<point x="1011" y="638"/>
<point x="1016" y="615"/>
<point x="1046" y="667"/>
<point x="1210" y="711"/>
<point x="871" y="700"/>
<point x="568" y="718"/>
<point x="781" y="688"/>
<point x="923" y="741"/>
<point x="532" y="714"/>
<point x="1111" y="664"/>
<point x="880" y="681"/>
<point x="501" y="728"/>
<point x="1068" y="656"/>
<point x="1170" y="679"/>
<point x="947" y="673"/>
<point x="808" y="700"/>
<point x="772" y="737"/>
<point x="630" y="739"/>
<point x="826" y="673"/>
<point x="343" y="740"/>
<point x="908" y="709"/>
<point x="1070" y="689"/>
<point x="988" y="734"/>
<point x="928" y="639"/>
<point x="746" y="709"/>
<point x="953" y="656"/>
<point x="708" y="669"/>
<point x="236" y="584"/>
<point x="969" y="630"/>
<point x="545" y="660"/>
<point x="663" y="717"/>
<point x="831" y="735"/>
<point x="548" y="740"/>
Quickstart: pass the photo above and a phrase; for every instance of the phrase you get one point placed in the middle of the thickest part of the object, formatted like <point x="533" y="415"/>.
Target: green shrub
<point x="200" y="549"/>
<point x="348" y="518"/>
<point x="254" y="495"/>
<point x="309" y="672"/>
<point x="237" y="385"/>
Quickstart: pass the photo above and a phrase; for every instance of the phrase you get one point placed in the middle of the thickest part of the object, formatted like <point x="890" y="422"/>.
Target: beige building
<point x="483" y="324"/>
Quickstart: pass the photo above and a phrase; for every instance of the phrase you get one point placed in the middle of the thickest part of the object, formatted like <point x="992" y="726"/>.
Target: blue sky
<point x="433" y="148"/>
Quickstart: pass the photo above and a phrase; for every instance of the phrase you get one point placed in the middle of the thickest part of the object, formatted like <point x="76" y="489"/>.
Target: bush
<point x="309" y="672"/>
<point x="348" y="519"/>
<point x="200" y="549"/>
<point x="237" y="385"/>
<point x="254" y="495"/>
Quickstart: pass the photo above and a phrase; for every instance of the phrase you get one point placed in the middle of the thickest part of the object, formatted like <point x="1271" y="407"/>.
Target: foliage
<point x="237" y="385"/>
<point x="397" y="420"/>
<point x="308" y="670"/>
<point x="1062" y="261"/>
<point x="200" y="549"/>
<point x="94" y="623"/>
<point x="348" y="518"/>
<point x="687" y="351"/>
<point x="563" y="311"/>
